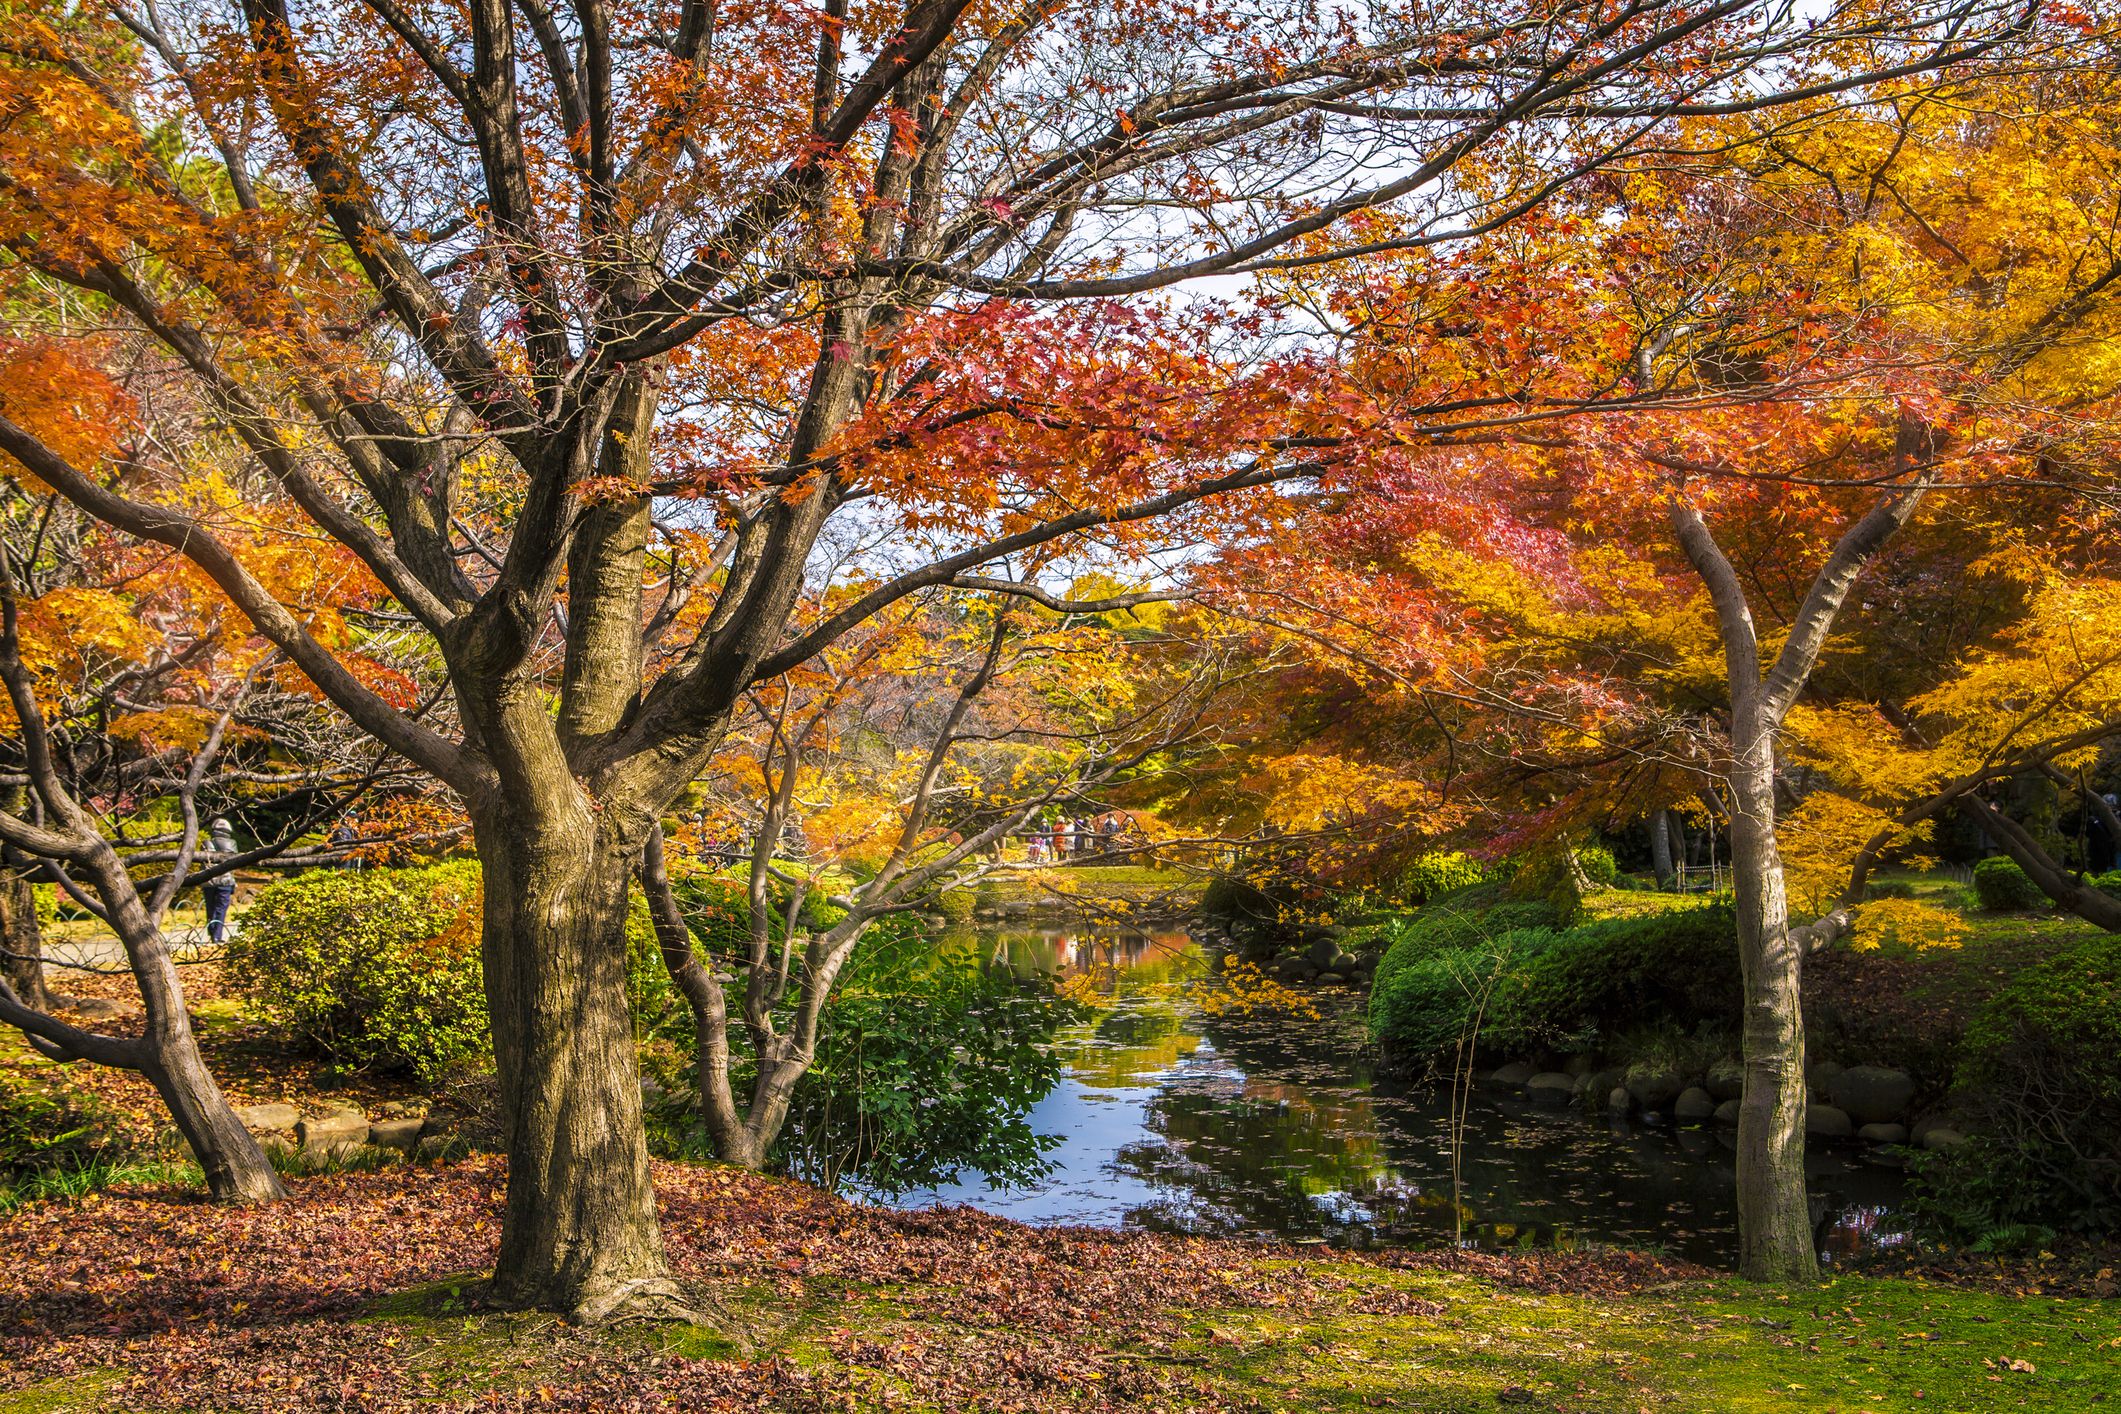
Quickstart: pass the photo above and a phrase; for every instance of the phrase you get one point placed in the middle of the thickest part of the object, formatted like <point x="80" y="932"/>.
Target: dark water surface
<point x="1183" y="1112"/>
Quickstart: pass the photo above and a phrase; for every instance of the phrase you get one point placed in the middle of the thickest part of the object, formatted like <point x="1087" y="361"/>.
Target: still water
<point x="1182" y="1112"/>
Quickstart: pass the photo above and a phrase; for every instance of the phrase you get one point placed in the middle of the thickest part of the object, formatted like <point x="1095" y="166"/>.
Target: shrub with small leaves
<point x="375" y="968"/>
<point x="2039" y="1081"/>
<point x="2003" y="887"/>
<point x="1431" y="876"/>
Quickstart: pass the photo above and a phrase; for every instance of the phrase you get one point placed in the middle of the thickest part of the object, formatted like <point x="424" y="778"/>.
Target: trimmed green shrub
<point x="1598" y="865"/>
<point x="1461" y="920"/>
<point x="2039" y="1082"/>
<point x="1563" y="989"/>
<point x="375" y="968"/>
<point x="2003" y="887"/>
<point x="1431" y="876"/>
<point x="1615" y="975"/>
<point x="1432" y="1001"/>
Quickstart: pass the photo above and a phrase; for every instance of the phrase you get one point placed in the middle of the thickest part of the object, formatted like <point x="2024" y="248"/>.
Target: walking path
<point x="107" y="954"/>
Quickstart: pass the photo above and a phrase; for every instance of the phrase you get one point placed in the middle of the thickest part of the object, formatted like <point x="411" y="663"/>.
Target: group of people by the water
<point x="1076" y="837"/>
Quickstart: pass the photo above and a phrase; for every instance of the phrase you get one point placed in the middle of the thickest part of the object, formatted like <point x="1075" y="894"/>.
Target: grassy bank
<point x="360" y="1293"/>
<point x="1115" y="888"/>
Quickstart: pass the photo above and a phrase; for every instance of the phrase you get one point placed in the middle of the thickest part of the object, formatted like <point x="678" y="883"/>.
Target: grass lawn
<point x="360" y="1293"/>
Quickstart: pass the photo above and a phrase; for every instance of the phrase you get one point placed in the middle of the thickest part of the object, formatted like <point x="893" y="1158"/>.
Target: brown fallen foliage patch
<point x="2074" y="1267"/>
<point x="265" y="1309"/>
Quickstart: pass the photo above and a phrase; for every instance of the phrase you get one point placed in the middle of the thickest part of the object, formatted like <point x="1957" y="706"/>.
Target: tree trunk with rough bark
<point x="236" y="1167"/>
<point x="580" y="1232"/>
<point x="1661" y="849"/>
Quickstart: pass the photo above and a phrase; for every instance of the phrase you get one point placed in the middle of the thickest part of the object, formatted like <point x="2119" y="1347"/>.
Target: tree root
<point x="643" y="1299"/>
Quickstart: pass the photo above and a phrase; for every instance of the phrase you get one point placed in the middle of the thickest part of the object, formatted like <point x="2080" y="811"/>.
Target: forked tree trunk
<point x="580" y="1233"/>
<point x="1774" y="1220"/>
<point x="1774" y="1227"/>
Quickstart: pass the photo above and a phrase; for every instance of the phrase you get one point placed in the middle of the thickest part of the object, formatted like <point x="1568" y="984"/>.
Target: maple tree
<point x="558" y="321"/>
<point x="903" y="761"/>
<point x="141" y="707"/>
<point x="1831" y="327"/>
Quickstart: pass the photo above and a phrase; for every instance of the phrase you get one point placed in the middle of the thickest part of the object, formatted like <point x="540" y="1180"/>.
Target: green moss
<point x="81" y="1391"/>
<point x="1847" y="1345"/>
<point x="449" y="1297"/>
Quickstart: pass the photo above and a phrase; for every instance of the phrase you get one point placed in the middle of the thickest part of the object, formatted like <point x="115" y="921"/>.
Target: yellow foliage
<point x="1907" y="925"/>
<point x="1820" y="840"/>
<point x="1854" y="747"/>
<point x="1246" y="989"/>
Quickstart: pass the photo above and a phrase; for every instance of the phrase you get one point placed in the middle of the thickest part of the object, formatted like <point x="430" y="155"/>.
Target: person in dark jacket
<point x="220" y="891"/>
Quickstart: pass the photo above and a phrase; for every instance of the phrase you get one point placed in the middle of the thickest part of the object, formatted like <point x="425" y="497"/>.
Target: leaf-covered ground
<point x="360" y="1294"/>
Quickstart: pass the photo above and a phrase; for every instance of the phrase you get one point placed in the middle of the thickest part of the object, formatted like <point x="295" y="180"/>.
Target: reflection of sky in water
<point x="1271" y="1125"/>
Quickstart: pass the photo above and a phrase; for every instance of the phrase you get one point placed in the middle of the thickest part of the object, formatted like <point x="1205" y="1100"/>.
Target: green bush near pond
<point x="1432" y="876"/>
<point x="957" y="905"/>
<point x="1599" y="979"/>
<point x="1432" y="1001"/>
<point x="1458" y="921"/>
<point x="1538" y="987"/>
<point x="929" y="1062"/>
<point x="2039" y="1083"/>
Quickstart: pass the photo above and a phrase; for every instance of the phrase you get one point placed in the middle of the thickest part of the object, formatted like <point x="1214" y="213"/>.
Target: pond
<point x="1180" y="1113"/>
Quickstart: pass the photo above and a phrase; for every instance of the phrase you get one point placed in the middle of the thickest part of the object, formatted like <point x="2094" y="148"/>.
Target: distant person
<point x="343" y="841"/>
<point x="1083" y="836"/>
<point x="220" y="891"/>
<point x="1111" y="829"/>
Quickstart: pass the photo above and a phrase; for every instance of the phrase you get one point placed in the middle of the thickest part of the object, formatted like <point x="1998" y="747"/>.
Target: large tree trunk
<point x="580" y="1232"/>
<point x="1774" y="1219"/>
<point x="1661" y="849"/>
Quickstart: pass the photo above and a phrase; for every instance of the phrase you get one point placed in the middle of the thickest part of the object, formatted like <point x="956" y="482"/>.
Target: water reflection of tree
<point x="1268" y="1123"/>
<point x="1260" y="1159"/>
<point x="1333" y="1158"/>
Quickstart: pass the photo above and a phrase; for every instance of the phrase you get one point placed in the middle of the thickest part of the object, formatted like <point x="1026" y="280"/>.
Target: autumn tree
<point x="478" y="290"/>
<point x="896" y="765"/>
<point x="140" y="707"/>
<point x="1827" y="329"/>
